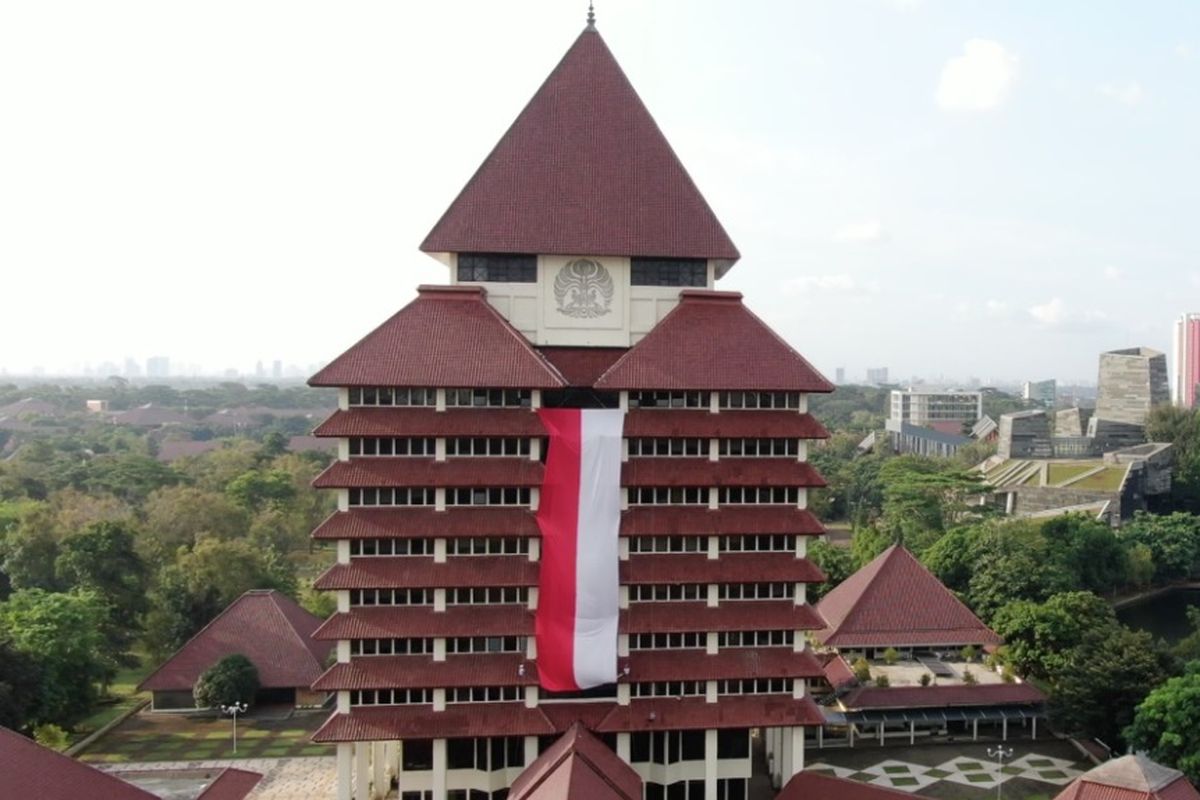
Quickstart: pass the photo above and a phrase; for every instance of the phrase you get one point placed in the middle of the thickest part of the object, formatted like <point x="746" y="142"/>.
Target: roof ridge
<point x="305" y="641"/>
<point x="191" y="639"/>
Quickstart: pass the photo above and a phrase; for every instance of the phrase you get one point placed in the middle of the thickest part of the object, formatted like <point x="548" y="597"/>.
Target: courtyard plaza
<point x="1037" y="770"/>
<point x="283" y="778"/>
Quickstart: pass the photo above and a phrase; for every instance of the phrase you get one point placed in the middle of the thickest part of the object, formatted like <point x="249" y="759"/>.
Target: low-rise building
<point x="946" y="411"/>
<point x="1132" y="777"/>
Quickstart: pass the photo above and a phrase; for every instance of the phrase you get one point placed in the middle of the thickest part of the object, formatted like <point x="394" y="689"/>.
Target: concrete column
<point x="1004" y="729"/>
<point x="821" y="737"/>
<point x="711" y="643"/>
<point x="439" y="449"/>
<point x="912" y="733"/>
<point x="714" y="452"/>
<point x="439" y="649"/>
<point x="379" y="781"/>
<point x="881" y="734"/>
<point x="785" y="755"/>
<point x="439" y="769"/>
<point x="713" y="595"/>
<point x="345" y="770"/>
<point x="710" y="762"/>
<point x="392" y="756"/>
<point x="851" y="729"/>
<point x="343" y="551"/>
<point x="439" y="550"/>
<point x="974" y="730"/>
<point x="797" y="751"/>
<point x="623" y="747"/>
<point x="362" y="771"/>
<point x="531" y="752"/>
<point x="1035" y="727"/>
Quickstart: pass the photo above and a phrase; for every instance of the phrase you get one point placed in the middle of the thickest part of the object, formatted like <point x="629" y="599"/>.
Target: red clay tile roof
<point x="817" y="786"/>
<point x="581" y="366"/>
<point x="267" y="627"/>
<point x="151" y="416"/>
<point x="422" y="672"/>
<point x="736" y="662"/>
<point x="646" y="422"/>
<point x="514" y="719"/>
<point x="397" y="572"/>
<point x="28" y="770"/>
<point x="460" y="472"/>
<point x="584" y="170"/>
<point x="1132" y="777"/>
<point x="310" y="444"/>
<point x="423" y="345"/>
<point x="837" y="671"/>
<point x="895" y="601"/>
<point x="578" y="765"/>
<point x="428" y="422"/>
<point x="726" y="472"/>
<point x="231" y="784"/>
<point x="385" y="622"/>
<point x="729" y="568"/>
<point x="736" y="350"/>
<point x="387" y="523"/>
<point x="685" y="521"/>
<point x="982" y="694"/>
<point x="174" y="449"/>
<point x="734" y="711"/>
<point x="732" y="616"/>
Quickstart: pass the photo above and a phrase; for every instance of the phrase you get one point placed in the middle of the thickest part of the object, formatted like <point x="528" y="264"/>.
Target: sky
<point x="950" y="189"/>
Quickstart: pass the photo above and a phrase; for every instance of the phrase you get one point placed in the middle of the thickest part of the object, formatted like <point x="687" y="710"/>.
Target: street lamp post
<point x="999" y="753"/>
<point x="233" y="711"/>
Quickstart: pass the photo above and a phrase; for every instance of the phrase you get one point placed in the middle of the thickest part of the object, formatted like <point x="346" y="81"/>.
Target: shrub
<point x="969" y="677"/>
<point x="51" y="736"/>
<point x="926" y="679"/>
<point x="1007" y="674"/>
<point x="231" y="680"/>
<point x="969" y="652"/>
<point x="882" y="681"/>
<point x="862" y="670"/>
<point x="890" y="656"/>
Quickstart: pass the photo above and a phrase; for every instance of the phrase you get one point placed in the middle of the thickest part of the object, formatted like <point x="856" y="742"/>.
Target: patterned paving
<point x="981" y="774"/>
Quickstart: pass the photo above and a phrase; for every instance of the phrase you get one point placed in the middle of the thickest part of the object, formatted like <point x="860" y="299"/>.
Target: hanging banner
<point x="579" y="514"/>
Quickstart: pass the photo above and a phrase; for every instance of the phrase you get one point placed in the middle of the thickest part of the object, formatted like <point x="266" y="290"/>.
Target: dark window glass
<point x="669" y="272"/>
<point x="733" y="743"/>
<point x="497" y="267"/>
<point x="418" y="754"/>
<point x="639" y="747"/>
<point x="693" y="745"/>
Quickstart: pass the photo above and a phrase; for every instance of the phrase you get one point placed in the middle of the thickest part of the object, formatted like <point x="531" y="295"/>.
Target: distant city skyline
<point x="1001" y="191"/>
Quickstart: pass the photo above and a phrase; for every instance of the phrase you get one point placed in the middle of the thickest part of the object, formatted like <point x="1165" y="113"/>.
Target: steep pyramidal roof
<point x="584" y="170"/>
<point x="577" y="765"/>
<point x="425" y="344"/>
<point x="267" y="627"/>
<point x="711" y="341"/>
<point x="1133" y="777"/>
<point x="895" y="601"/>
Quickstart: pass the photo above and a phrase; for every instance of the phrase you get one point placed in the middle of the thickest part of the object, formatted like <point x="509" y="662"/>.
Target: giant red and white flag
<point x="579" y="513"/>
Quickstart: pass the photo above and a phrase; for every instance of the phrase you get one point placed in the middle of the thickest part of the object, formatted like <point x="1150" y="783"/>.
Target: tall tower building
<point x="582" y="261"/>
<point x="1132" y="382"/>
<point x="1186" y="360"/>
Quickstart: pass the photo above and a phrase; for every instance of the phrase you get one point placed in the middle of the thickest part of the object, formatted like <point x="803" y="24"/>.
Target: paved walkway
<point x="283" y="778"/>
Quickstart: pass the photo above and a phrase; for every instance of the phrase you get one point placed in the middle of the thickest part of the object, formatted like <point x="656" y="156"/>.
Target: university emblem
<point x="583" y="289"/>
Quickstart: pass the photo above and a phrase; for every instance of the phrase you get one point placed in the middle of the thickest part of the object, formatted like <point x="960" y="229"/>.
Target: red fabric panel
<point x="558" y="518"/>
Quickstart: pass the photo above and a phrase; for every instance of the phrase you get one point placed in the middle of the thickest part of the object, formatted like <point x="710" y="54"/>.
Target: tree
<point x="61" y="632"/>
<point x="836" y="562"/>
<point x="924" y="496"/>
<point x="233" y="679"/>
<point x="1013" y="561"/>
<point x="1141" y="565"/>
<point x="255" y="489"/>
<point x="1167" y="723"/>
<point x="1180" y="427"/>
<point x="1173" y="539"/>
<point x="102" y="559"/>
<point x="1089" y="550"/>
<point x="127" y="476"/>
<point x="1040" y="636"/>
<point x="1097" y="689"/>
<point x="868" y="542"/>
<point x="182" y="515"/>
<point x="20" y="677"/>
<point x="952" y="557"/>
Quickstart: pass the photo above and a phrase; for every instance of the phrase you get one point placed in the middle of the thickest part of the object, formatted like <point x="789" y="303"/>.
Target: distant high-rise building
<point x="1132" y="382"/>
<point x="840" y="376"/>
<point x="877" y="375"/>
<point x="277" y="369"/>
<point x="132" y="368"/>
<point x="1041" y="392"/>
<point x="1186" y="360"/>
<point x="158" y="367"/>
<point x="259" y="370"/>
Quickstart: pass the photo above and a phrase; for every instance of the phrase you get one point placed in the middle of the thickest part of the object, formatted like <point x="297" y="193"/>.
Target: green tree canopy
<point x="1167" y="723"/>
<point x="836" y="562"/>
<point x="233" y="679"/>
<point x="1173" y="539"/>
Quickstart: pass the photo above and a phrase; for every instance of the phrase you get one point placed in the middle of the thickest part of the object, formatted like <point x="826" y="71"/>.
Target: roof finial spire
<point x="591" y="26"/>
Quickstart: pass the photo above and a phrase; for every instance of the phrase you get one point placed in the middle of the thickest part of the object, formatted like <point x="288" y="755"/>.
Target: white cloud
<point x="979" y="79"/>
<point x="870" y="231"/>
<point x="1185" y="51"/>
<point x="995" y="308"/>
<point x="1050" y="313"/>
<point x="840" y="284"/>
<point x="1112" y="273"/>
<point x="1129" y="93"/>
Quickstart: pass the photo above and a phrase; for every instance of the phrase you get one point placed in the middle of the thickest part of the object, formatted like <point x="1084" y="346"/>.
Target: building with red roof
<point x="267" y="627"/>
<point x="916" y="637"/>
<point x="1132" y="777"/>
<point x="582" y="261"/>
<point x="577" y="765"/>
<point x="29" y="770"/>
